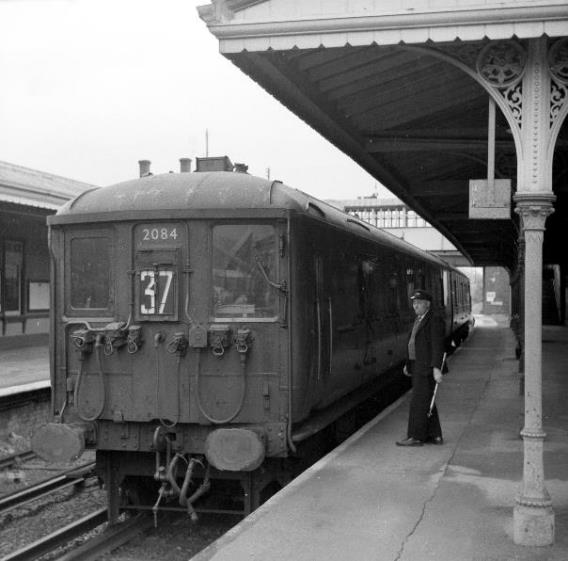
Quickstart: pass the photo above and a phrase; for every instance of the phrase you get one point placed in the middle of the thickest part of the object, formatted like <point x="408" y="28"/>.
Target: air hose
<point x="243" y="356"/>
<point x="158" y="338"/>
<point x="101" y="377"/>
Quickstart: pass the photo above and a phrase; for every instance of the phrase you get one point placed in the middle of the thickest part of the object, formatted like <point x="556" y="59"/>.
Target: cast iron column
<point x="533" y="515"/>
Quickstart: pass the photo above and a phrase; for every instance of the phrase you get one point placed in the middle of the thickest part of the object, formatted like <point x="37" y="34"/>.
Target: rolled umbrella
<point x="436" y="388"/>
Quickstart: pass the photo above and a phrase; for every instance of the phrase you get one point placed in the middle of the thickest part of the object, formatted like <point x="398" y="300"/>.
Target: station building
<point x="27" y="197"/>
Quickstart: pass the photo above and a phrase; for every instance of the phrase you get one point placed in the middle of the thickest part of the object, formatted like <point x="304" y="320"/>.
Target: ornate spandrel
<point x="558" y="95"/>
<point x="558" y="60"/>
<point x="466" y="53"/>
<point x="514" y="98"/>
<point x="558" y="67"/>
<point x="501" y="65"/>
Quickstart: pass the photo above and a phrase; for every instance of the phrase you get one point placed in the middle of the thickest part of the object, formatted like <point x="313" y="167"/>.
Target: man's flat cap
<point x="421" y="295"/>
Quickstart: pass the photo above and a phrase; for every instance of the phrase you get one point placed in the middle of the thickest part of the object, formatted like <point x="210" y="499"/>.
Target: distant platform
<point x="24" y="366"/>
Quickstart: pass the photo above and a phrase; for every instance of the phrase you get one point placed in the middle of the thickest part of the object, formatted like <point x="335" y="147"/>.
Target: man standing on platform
<point x="424" y="364"/>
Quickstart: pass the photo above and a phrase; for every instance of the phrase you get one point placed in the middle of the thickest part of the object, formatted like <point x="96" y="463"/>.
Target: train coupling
<point x="169" y="487"/>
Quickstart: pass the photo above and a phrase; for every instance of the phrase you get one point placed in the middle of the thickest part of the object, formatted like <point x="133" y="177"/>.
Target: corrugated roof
<point x="30" y="187"/>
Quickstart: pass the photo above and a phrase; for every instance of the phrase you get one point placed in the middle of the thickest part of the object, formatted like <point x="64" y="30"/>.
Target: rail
<point x="71" y="478"/>
<point x="111" y="538"/>
<point x="62" y="536"/>
<point x="16" y="459"/>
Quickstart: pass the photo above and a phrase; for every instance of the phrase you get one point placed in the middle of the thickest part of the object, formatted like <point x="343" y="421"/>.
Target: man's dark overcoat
<point x="429" y="345"/>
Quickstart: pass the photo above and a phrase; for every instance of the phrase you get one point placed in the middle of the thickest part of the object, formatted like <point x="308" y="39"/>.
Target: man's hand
<point x="405" y="371"/>
<point x="437" y="375"/>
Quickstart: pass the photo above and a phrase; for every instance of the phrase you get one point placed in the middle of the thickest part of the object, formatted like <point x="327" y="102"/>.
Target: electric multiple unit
<point x="205" y="325"/>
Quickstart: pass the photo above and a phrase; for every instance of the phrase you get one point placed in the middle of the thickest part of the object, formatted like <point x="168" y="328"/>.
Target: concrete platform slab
<point x="371" y="500"/>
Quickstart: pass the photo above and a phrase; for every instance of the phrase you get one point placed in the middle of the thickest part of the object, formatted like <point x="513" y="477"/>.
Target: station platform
<point x="24" y="368"/>
<point x="371" y="500"/>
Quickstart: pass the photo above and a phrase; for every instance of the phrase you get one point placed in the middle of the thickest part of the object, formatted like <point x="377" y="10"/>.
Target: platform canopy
<point x="402" y="88"/>
<point x="25" y="187"/>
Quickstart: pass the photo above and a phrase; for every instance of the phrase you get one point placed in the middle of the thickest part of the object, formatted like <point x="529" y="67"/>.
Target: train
<point x="205" y="325"/>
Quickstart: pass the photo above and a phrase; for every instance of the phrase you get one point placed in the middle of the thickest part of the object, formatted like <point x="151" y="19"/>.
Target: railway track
<point x="110" y="538"/>
<point x="72" y="478"/>
<point x="16" y="459"/>
<point x="105" y="541"/>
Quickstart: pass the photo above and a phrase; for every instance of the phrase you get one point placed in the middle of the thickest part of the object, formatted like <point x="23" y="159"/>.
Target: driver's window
<point x="244" y="261"/>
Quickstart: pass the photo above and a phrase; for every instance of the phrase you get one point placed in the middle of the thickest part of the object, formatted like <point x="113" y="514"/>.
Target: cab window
<point x="90" y="266"/>
<point x="244" y="264"/>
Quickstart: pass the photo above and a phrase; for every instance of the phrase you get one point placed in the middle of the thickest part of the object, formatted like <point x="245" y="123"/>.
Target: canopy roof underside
<point x="395" y="104"/>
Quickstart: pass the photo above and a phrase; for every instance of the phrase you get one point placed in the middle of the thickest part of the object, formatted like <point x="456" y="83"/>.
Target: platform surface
<point x="370" y="500"/>
<point x="23" y="366"/>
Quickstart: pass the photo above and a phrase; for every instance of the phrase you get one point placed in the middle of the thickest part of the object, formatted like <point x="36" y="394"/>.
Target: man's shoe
<point x="438" y="440"/>
<point x="410" y="441"/>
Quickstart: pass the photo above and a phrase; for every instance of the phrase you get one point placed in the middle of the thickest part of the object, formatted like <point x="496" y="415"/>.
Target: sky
<point x="89" y="87"/>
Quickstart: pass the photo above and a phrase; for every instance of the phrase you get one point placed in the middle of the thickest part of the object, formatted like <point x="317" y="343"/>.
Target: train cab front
<point x="168" y="347"/>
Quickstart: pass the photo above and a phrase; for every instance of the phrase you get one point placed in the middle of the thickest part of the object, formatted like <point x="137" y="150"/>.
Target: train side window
<point x="366" y="278"/>
<point x="393" y="301"/>
<point x="409" y="281"/>
<point x="421" y="279"/>
<point x="245" y="271"/>
<point x="454" y="291"/>
<point x="90" y="273"/>
<point x="446" y="288"/>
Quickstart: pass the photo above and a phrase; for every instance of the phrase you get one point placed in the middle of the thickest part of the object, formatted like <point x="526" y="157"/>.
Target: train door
<point x="247" y="299"/>
<point x="157" y="263"/>
<point x="323" y="328"/>
<point x="159" y="290"/>
<point x="395" y="305"/>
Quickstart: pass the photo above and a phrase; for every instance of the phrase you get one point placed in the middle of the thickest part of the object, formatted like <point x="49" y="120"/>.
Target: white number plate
<point x="159" y="234"/>
<point x="157" y="292"/>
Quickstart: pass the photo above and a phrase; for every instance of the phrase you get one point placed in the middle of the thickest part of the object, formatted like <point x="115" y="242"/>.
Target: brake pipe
<point x="158" y="339"/>
<point x="241" y="399"/>
<point x="200" y="491"/>
<point x="187" y="482"/>
<point x="101" y="377"/>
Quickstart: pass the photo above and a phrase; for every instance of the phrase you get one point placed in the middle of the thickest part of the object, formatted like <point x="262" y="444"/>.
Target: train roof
<point x="184" y="193"/>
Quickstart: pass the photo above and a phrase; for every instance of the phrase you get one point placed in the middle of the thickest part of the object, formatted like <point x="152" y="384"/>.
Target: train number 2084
<point x="157" y="234"/>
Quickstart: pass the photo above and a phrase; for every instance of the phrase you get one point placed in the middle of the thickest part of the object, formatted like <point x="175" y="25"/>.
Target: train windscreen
<point x="90" y="265"/>
<point x="244" y="264"/>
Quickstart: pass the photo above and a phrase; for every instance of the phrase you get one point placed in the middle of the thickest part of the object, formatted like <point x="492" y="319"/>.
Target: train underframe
<point x="168" y="479"/>
<point x="187" y="483"/>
